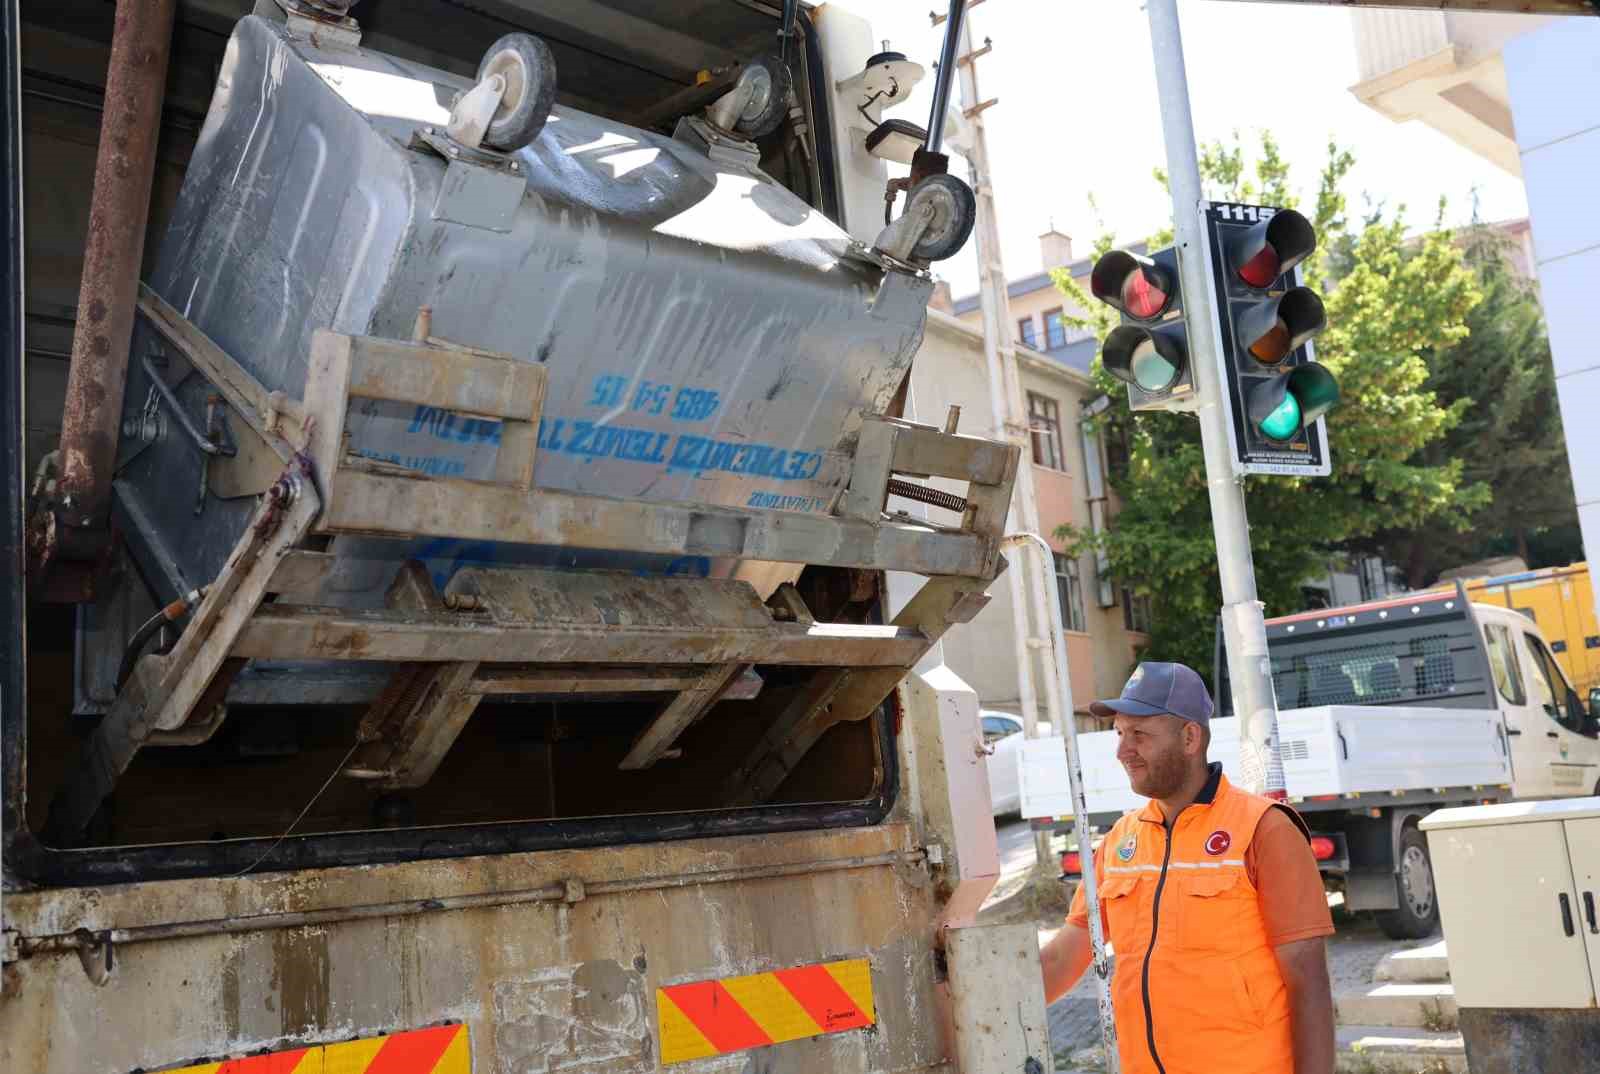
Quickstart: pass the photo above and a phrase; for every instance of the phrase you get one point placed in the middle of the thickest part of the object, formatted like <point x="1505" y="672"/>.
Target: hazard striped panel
<point x="438" y="1050"/>
<point x="708" y="1018"/>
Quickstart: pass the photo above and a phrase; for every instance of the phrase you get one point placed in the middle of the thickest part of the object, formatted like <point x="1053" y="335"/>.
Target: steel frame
<point x="453" y="648"/>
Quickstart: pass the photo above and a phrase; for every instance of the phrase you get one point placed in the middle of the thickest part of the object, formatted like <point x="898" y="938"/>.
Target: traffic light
<point x="1149" y="351"/>
<point x="1275" y="391"/>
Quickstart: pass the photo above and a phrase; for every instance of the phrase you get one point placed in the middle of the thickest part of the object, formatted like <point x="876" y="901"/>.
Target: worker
<point x="1211" y="901"/>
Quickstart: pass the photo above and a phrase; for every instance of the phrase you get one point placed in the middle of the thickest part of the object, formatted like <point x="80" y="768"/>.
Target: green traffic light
<point x="1151" y="370"/>
<point x="1284" y="421"/>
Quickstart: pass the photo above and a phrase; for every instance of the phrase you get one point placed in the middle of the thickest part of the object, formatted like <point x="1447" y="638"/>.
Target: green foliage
<point x="1392" y="302"/>
<point x="1510" y="444"/>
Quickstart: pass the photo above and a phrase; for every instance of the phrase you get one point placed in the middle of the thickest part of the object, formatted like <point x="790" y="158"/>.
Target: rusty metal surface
<point x="679" y="714"/>
<point x="605" y="600"/>
<point x="371" y="500"/>
<point x="124" y="170"/>
<point x="287" y="632"/>
<point x="551" y="959"/>
<point x="164" y="691"/>
<point x="847" y="693"/>
<point x="411" y="727"/>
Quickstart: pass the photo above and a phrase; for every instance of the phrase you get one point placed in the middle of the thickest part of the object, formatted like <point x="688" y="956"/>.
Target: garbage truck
<point x="477" y="587"/>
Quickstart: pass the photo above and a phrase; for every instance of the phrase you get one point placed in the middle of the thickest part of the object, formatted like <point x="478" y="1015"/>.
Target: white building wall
<point x="1554" y="79"/>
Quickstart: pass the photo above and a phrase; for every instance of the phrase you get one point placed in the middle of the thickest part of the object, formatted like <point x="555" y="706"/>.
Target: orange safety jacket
<point x="1197" y="988"/>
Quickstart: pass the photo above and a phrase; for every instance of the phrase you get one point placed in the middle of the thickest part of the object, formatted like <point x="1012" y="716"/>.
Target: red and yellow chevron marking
<point x="729" y="1015"/>
<point x="439" y="1050"/>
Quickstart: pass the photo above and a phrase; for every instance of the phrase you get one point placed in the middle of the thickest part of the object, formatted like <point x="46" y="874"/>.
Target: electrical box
<point x="1519" y="896"/>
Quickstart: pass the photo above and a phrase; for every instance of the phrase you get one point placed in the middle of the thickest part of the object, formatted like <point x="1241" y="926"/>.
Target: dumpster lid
<point x="1511" y="813"/>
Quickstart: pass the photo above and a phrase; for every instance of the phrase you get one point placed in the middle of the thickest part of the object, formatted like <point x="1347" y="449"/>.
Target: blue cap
<point x="1155" y="688"/>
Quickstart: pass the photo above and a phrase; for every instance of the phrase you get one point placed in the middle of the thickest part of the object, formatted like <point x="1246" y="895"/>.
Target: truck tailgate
<point x="581" y="961"/>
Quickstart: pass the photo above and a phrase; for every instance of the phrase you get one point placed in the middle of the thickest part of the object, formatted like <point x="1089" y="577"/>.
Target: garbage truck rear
<point x="468" y="617"/>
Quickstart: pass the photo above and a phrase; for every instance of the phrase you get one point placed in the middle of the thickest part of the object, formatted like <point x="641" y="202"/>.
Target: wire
<point x="265" y="854"/>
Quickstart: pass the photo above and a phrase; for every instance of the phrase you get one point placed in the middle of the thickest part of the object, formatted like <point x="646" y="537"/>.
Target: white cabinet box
<point x="1519" y="895"/>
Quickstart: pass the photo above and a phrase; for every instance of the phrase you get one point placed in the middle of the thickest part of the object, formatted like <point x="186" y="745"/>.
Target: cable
<point x="265" y="854"/>
<point x="141" y="637"/>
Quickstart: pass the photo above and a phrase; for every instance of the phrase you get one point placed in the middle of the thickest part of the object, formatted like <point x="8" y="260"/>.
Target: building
<point x="1037" y="307"/>
<point x="1104" y="626"/>
<point x="1524" y="93"/>
<point x="1446" y="70"/>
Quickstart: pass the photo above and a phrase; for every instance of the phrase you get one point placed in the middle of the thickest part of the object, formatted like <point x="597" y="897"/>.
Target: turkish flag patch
<point x="1218" y="842"/>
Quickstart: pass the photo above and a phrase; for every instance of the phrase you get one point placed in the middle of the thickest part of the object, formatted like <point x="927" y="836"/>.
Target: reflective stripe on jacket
<point x="1197" y="988"/>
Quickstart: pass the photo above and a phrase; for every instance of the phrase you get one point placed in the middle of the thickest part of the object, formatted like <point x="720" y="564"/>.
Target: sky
<point x="1077" y="115"/>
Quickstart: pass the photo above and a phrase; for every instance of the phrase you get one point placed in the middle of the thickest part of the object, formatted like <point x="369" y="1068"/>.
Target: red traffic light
<point x="1072" y="863"/>
<point x="1271" y="248"/>
<point x="1130" y="284"/>
<point x="1141" y="298"/>
<point x="1323" y="848"/>
<point x="1262" y="269"/>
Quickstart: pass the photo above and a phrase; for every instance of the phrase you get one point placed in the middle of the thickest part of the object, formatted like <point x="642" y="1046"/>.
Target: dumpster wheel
<point x="954" y="211"/>
<point x="529" y="69"/>
<point x="769" y="101"/>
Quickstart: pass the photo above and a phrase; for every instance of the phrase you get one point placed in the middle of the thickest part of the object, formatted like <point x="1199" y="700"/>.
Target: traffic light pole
<point x="1245" y="632"/>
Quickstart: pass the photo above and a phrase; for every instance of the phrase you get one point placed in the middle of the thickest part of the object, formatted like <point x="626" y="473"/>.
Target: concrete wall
<point x="1554" y="79"/>
<point x="1388" y="40"/>
<point x="1443" y="69"/>
<point x="1103" y="653"/>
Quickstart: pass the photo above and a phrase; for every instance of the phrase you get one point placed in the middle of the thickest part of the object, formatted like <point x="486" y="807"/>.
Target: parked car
<point x="1002" y="732"/>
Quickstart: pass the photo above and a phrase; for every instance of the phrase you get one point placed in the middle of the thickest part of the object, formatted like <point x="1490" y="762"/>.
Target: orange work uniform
<point x="1196" y="986"/>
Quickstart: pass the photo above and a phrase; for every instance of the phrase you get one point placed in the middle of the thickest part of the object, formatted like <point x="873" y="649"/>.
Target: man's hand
<point x="1063" y="961"/>
<point x="1304" y="965"/>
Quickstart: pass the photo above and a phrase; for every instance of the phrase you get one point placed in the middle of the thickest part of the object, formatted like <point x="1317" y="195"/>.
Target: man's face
<point x="1151" y="749"/>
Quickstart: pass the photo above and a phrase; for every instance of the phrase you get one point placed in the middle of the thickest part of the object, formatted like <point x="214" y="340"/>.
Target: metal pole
<point x="13" y="602"/>
<point x="1080" y="818"/>
<point x="91" y="420"/>
<point x="946" y="75"/>
<point x="1249" y="666"/>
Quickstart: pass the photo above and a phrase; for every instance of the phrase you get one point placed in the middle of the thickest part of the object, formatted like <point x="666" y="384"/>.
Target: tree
<point x="1509" y="439"/>
<point x="1392" y="305"/>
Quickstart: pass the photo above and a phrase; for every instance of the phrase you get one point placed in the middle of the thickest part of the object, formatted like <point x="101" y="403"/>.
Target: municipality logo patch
<point x="1129" y="845"/>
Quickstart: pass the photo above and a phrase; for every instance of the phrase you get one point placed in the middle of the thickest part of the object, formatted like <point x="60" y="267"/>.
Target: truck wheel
<point x="1418" y="913"/>
<point x="529" y="68"/>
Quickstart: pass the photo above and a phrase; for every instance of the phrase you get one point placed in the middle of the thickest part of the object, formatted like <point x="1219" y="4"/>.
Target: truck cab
<point x="1555" y="735"/>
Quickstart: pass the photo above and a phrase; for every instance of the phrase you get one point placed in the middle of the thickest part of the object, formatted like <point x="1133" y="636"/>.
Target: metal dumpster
<point x="707" y="336"/>
<point x="393" y="401"/>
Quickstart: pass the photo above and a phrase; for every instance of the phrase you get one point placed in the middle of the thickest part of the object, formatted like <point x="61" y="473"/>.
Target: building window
<point x="1044" y="419"/>
<point x="1055" y="330"/>
<point x="1135" y="611"/>
<point x="1077" y="334"/>
<point x="1027" y="333"/>
<point x="1069" y="587"/>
